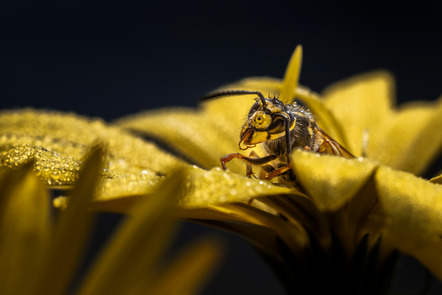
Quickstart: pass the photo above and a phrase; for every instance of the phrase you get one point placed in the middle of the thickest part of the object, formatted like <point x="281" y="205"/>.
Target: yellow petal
<point x="214" y="187"/>
<point x="299" y="209"/>
<point x="260" y="228"/>
<point x="220" y="197"/>
<point x="24" y="229"/>
<point x="291" y="77"/>
<point x="72" y="229"/>
<point x="330" y="181"/>
<point x="53" y="168"/>
<point x="191" y="132"/>
<point x="411" y="137"/>
<point x="437" y="179"/>
<point x="187" y="273"/>
<point x="361" y="104"/>
<point x="246" y="221"/>
<point x="59" y="141"/>
<point x="136" y="246"/>
<point x="293" y="235"/>
<point x="413" y="208"/>
<point x="205" y="189"/>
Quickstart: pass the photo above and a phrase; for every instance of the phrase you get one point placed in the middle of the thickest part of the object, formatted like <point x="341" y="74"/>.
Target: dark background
<point x="110" y="59"/>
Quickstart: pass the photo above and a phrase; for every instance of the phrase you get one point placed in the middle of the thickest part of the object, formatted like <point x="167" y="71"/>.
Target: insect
<point x="280" y="127"/>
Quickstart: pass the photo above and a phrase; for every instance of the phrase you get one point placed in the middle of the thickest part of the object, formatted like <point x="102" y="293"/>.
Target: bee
<point x="280" y="127"/>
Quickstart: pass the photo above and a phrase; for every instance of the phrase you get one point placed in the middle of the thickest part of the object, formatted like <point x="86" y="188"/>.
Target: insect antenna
<point x="220" y="93"/>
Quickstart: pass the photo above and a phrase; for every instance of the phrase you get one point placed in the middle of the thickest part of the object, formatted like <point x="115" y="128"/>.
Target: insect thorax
<point x="301" y="135"/>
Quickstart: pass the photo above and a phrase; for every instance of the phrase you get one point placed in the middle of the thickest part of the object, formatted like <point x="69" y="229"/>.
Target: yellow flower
<point x="39" y="255"/>
<point x="338" y="227"/>
<point x="339" y="201"/>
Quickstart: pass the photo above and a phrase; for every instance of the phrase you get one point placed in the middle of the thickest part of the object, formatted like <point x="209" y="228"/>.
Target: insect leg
<point x="253" y="161"/>
<point x="249" y="170"/>
<point x="288" y="144"/>
<point x="277" y="172"/>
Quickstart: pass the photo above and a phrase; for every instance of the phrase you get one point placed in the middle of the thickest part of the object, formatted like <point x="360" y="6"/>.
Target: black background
<point x="114" y="58"/>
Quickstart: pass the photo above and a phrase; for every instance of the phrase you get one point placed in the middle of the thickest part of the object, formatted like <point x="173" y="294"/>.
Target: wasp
<point x="280" y="127"/>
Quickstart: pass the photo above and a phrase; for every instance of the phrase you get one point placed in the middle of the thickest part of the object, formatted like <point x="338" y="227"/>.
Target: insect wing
<point x="331" y="146"/>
